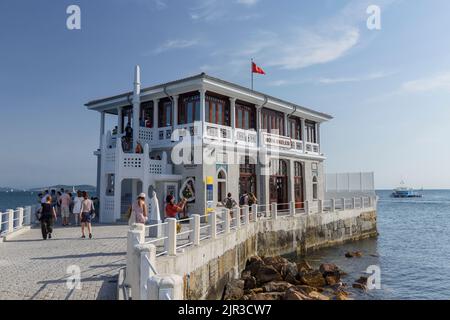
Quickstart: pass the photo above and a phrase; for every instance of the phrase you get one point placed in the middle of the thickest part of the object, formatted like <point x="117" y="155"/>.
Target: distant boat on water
<point x="405" y="192"/>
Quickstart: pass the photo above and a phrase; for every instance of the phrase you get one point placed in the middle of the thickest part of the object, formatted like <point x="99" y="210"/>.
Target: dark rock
<point x="276" y="286"/>
<point x="353" y="254"/>
<point x="361" y="286"/>
<point x="295" y="295"/>
<point x="303" y="267"/>
<point x="289" y="270"/>
<point x="306" y="289"/>
<point x="329" y="269"/>
<point x="234" y="290"/>
<point x="266" y="296"/>
<point x="341" y="295"/>
<point x="313" y="279"/>
<point x="253" y="265"/>
<point x="250" y="283"/>
<point x="266" y="274"/>
<point x="332" y="280"/>
<point x="245" y="274"/>
<point x="318" y="296"/>
<point x="277" y="262"/>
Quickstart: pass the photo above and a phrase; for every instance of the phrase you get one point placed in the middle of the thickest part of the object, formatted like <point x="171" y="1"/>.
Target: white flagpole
<point x="251" y="70"/>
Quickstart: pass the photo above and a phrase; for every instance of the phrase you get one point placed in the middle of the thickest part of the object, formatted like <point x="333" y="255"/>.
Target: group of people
<point x="65" y="205"/>
<point x="138" y="212"/>
<point x="246" y="199"/>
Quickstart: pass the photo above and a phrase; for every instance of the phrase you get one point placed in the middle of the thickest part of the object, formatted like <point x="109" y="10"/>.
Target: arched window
<point x="315" y="187"/>
<point x="221" y="185"/>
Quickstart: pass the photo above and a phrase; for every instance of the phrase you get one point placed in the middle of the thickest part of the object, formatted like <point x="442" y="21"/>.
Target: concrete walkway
<point x="31" y="268"/>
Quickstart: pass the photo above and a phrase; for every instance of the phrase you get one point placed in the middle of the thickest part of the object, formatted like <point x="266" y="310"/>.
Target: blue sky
<point x="388" y="90"/>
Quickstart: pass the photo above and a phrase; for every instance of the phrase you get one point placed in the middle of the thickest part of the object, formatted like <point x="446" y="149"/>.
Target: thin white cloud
<point x="435" y="82"/>
<point x="309" y="48"/>
<point x="330" y="80"/>
<point x="247" y="2"/>
<point x="213" y="10"/>
<point x="176" y="44"/>
<point x="368" y="77"/>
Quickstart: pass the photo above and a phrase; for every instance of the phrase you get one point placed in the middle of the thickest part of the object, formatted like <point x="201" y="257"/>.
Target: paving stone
<point x="35" y="269"/>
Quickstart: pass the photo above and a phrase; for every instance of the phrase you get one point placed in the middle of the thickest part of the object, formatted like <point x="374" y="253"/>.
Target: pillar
<point x="233" y="112"/>
<point x="291" y="180"/>
<point x="136" y="105"/>
<point x="245" y="210"/>
<point x="202" y="105"/>
<point x="119" y="120"/>
<point x="155" y="117"/>
<point x="10" y="220"/>
<point x="286" y="125"/>
<point x="255" y="212"/>
<point x="303" y="128"/>
<point x="102" y="127"/>
<point x="318" y="135"/>
<point x="147" y="270"/>
<point x="213" y="225"/>
<point x="175" y="111"/>
<point x="292" y="208"/>
<point x="227" y="220"/>
<point x="273" y="210"/>
<point x="134" y="237"/>
<point x="196" y="222"/>
<point x="165" y="287"/>
<point x="20" y="217"/>
<point x="237" y="216"/>
<point x="171" y="241"/>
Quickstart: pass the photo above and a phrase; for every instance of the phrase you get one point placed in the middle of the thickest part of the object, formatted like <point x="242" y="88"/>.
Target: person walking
<point x="139" y="211"/>
<point x="87" y="210"/>
<point x="47" y="218"/>
<point x="64" y="201"/>
<point x="77" y="206"/>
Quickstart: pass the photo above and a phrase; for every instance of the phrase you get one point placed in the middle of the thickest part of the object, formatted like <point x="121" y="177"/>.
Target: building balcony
<point x="167" y="136"/>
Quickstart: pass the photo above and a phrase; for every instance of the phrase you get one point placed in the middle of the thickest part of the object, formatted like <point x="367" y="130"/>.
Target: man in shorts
<point x="65" y="207"/>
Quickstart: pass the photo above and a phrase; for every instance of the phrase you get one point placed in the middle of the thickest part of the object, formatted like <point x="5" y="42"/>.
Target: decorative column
<point x="155" y="115"/>
<point x="318" y="135"/>
<point x="102" y="127"/>
<point x="202" y="109"/>
<point x="119" y="120"/>
<point x="175" y="111"/>
<point x="136" y="105"/>
<point x="291" y="181"/>
<point x="233" y="112"/>
<point x="303" y="129"/>
<point x="286" y="125"/>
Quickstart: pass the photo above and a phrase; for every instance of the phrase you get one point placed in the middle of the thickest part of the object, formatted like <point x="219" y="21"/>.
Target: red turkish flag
<point x="256" y="69"/>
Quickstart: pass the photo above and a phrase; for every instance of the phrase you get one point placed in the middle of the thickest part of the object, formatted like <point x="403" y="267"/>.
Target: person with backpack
<point x="230" y="203"/>
<point x="47" y="218"/>
<point x="243" y="200"/>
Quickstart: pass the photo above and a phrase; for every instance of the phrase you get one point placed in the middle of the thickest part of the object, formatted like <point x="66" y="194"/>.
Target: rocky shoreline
<point x="276" y="278"/>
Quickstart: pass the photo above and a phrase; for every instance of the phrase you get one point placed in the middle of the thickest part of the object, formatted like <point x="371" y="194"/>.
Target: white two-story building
<point x="229" y="139"/>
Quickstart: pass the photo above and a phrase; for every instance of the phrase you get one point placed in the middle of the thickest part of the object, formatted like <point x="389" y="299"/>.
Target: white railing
<point x="12" y="220"/>
<point x="215" y="224"/>
<point x="246" y="137"/>
<point x="218" y="132"/>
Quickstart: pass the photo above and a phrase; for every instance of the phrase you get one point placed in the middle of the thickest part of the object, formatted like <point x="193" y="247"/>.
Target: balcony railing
<point x="218" y="133"/>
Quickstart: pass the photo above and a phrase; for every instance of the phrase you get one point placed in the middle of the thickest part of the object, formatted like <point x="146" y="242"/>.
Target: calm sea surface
<point x="412" y="250"/>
